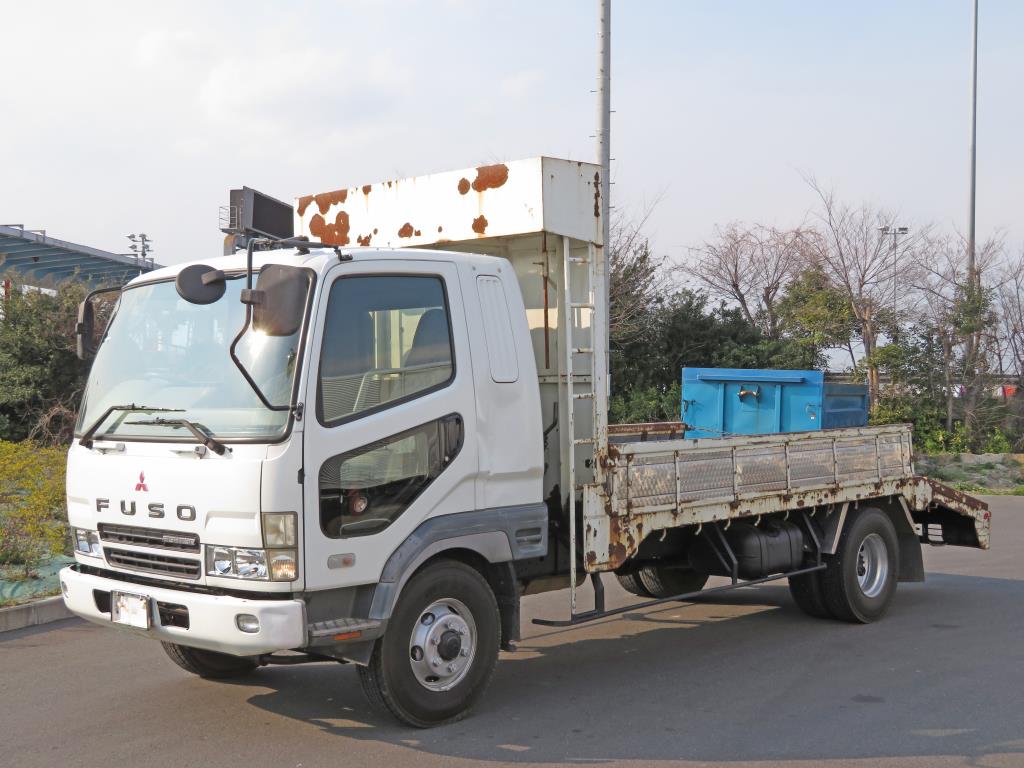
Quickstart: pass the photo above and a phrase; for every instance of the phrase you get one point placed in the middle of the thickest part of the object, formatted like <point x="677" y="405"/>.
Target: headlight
<point x="280" y="529"/>
<point x="87" y="542"/>
<point x="250" y="564"/>
<point x="237" y="563"/>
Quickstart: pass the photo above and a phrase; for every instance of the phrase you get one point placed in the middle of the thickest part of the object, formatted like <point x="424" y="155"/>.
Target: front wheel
<point x="440" y="648"/>
<point x="860" y="581"/>
<point x="209" y="664"/>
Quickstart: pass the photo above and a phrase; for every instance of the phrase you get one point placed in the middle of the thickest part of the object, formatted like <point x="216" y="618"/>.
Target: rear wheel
<point x="632" y="584"/>
<point x="209" y="664"/>
<point x="440" y="649"/>
<point x="666" y="581"/>
<point x="860" y="580"/>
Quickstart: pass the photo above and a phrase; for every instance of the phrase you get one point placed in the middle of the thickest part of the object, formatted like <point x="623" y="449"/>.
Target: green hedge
<point x="33" y="517"/>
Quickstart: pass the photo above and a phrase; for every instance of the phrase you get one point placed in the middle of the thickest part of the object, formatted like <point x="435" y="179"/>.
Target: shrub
<point x="32" y="504"/>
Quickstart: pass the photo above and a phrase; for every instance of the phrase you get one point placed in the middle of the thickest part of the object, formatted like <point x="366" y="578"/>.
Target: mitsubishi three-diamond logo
<point x="141" y="485"/>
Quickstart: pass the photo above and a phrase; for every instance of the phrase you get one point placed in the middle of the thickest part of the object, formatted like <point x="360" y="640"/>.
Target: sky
<point x="139" y="117"/>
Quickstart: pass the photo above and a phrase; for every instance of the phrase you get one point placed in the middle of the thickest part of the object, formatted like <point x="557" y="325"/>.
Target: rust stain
<point x="332" y="234"/>
<point x="463" y="185"/>
<point x="597" y="194"/>
<point x="316" y="226"/>
<point x="489" y="177"/>
<point x="417" y="233"/>
<point x="375" y="230"/>
<point x="480" y="224"/>
<point x="304" y="202"/>
<point x="406" y="230"/>
<point x="367" y="188"/>
<point x="389" y="185"/>
<point x="363" y="239"/>
<point x="325" y="200"/>
<point x="440" y="228"/>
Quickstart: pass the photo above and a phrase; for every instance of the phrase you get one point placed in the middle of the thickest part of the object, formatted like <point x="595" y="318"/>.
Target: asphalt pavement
<point x="747" y="681"/>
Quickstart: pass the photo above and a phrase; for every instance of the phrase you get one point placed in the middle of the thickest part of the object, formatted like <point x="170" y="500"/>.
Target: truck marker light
<point x="349" y="635"/>
<point x="346" y="560"/>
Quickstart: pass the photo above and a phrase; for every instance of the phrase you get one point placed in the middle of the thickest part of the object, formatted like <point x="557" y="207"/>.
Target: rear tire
<point x="439" y="651"/>
<point x="662" y="581"/>
<point x="860" y="580"/>
<point x="632" y="584"/>
<point x="809" y="595"/>
<point x="209" y="664"/>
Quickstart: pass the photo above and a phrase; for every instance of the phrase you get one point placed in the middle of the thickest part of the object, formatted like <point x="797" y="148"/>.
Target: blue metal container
<point x="732" y="401"/>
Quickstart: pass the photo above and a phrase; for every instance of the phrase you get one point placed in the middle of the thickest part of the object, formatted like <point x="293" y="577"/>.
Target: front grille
<point x="151" y="562"/>
<point x="149" y="537"/>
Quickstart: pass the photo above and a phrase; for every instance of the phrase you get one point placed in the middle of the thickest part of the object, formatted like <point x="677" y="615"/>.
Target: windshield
<point x="161" y="351"/>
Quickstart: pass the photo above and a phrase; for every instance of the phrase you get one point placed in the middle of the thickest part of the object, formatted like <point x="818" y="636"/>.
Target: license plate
<point x="130" y="610"/>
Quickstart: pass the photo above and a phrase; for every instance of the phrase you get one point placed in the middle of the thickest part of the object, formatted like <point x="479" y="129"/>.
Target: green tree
<point x="817" y="315"/>
<point x="685" y="329"/>
<point x="40" y="374"/>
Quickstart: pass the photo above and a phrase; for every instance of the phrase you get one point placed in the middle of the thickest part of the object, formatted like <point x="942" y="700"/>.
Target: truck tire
<point x="632" y="584"/>
<point x="209" y="664"/>
<point x="440" y="648"/>
<point x="666" y="581"/>
<point x="809" y="595"/>
<point x="860" y="580"/>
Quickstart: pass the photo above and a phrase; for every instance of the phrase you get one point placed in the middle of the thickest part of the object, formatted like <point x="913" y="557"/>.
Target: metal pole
<point x="895" y="270"/>
<point x="974" y="151"/>
<point x="604" y="112"/>
<point x="604" y="107"/>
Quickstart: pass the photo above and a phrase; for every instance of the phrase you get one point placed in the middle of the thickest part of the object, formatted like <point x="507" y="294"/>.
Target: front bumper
<point x="211" y="618"/>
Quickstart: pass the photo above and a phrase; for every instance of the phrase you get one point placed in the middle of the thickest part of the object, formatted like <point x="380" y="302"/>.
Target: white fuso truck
<point x="367" y="447"/>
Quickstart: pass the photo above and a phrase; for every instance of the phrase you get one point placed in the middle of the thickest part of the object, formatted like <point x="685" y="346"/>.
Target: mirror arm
<point x="247" y="294"/>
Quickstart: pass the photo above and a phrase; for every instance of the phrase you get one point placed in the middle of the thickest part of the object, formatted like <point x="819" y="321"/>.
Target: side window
<point x="386" y="338"/>
<point x="363" y="491"/>
<point x="501" y="348"/>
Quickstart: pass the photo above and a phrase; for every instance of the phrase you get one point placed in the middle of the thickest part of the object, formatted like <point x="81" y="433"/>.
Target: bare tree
<point x="635" y="279"/>
<point x="965" y="323"/>
<point x="751" y="266"/>
<point x="851" y="249"/>
<point x="1011" y="315"/>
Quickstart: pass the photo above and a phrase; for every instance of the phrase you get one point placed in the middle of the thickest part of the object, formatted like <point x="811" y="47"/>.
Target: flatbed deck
<point x="652" y="485"/>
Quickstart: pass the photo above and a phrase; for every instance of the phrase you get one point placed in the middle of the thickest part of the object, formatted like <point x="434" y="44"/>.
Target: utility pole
<point x="604" y="159"/>
<point x="604" y="109"/>
<point x="971" y="266"/>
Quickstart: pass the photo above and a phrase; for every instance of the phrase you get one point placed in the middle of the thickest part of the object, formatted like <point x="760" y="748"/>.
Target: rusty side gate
<point x="651" y="486"/>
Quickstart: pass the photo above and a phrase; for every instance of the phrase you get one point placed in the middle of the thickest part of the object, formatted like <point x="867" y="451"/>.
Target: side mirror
<point x="280" y="300"/>
<point x="84" y="329"/>
<point x="200" y="284"/>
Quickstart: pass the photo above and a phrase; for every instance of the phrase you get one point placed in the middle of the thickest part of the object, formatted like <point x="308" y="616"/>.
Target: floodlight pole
<point x="971" y="267"/>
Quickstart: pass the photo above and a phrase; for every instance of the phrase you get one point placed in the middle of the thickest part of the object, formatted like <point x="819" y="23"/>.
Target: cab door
<point x="390" y="426"/>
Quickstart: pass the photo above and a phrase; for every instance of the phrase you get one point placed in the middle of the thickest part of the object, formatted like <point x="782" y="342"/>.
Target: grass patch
<point x="968" y="487"/>
<point x="13" y="601"/>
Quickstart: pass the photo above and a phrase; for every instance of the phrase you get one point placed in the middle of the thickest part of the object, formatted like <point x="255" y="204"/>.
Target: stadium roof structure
<point x="39" y="257"/>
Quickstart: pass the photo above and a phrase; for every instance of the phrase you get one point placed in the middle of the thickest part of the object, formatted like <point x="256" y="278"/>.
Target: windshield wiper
<point x="87" y="436"/>
<point x="202" y="436"/>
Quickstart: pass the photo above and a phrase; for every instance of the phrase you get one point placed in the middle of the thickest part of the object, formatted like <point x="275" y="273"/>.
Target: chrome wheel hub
<point x="443" y="644"/>
<point x="872" y="565"/>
